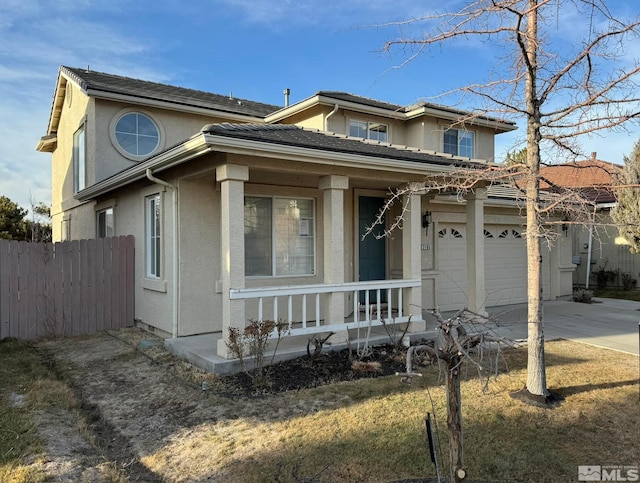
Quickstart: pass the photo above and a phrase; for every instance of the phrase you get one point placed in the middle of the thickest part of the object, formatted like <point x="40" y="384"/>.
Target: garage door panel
<point x="505" y="265"/>
<point x="452" y="267"/>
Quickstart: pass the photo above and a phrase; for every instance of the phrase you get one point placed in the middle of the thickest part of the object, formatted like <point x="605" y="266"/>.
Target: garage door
<point x="505" y="266"/>
<point x="452" y="267"/>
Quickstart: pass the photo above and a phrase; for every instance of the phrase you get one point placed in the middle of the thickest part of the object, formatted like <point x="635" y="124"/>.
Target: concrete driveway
<point x="609" y="323"/>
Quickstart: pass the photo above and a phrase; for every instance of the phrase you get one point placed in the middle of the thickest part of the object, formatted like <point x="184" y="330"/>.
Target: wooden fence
<point x="66" y="289"/>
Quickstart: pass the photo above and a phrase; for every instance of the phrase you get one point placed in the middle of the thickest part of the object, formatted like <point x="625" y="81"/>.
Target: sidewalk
<point x="609" y="323"/>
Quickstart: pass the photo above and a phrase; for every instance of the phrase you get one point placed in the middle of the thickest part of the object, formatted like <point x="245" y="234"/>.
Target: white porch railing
<point x="304" y="300"/>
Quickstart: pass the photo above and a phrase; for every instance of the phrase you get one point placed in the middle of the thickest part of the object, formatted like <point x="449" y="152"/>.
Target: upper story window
<point x="460" y="142"/>
<point x="369" y="130"/>
<point x="79" y="160"/>
<point x="136" y="134"/>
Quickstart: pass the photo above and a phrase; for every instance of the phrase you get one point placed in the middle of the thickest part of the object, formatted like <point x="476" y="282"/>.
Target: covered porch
<point x="336" y="297"/>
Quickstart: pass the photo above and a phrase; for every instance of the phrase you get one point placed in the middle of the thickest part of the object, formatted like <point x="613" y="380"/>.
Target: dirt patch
<point x="138" y="399"/>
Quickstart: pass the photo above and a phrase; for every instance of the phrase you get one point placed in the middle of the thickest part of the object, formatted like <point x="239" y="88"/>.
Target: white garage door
<point x="505" y="266"/>
<point x="452" y="267"/>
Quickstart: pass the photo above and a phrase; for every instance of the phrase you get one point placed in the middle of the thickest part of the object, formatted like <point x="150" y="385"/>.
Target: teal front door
<point x="372" y="257"/>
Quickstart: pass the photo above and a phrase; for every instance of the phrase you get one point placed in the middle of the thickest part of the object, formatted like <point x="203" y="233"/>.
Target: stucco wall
<point x="76" y="108"/>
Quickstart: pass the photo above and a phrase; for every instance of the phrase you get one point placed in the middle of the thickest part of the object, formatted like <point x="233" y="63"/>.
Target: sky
<point x="252" y="49"/>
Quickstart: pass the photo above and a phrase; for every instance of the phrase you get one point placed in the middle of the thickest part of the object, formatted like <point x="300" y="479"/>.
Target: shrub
<point x="604" y="277"/>
<point x="583" y="296"/>
<point x="252" y="342"/>
<point x="628" y="282"/>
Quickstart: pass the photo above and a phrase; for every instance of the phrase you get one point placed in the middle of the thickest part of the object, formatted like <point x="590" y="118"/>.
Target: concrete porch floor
<point x="608" y="323"/>
<point x="200" y="350"/>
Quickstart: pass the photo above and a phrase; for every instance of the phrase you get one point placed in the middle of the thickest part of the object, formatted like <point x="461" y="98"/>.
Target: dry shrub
<point x="366" y="366"/>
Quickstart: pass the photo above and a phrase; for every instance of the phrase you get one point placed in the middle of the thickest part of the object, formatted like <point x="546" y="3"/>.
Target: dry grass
<point x="376" y="432"/>
<point x="371" y="430"/>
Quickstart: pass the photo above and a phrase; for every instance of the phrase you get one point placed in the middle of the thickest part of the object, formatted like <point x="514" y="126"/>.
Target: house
<point x="597" y="247"/>
<point x="243" y="210"/>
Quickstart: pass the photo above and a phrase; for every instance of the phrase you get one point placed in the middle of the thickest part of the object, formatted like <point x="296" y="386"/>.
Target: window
<point x="369" y="130"/>
<point x="279" y="236"/>
<point x="459" y="143"/>
<point x="65" y="229"/>
<point x="152" y="235"/>
<point x="79" y="160"/>
<point x="137" y="134"/>
<point x="104" y="223"/>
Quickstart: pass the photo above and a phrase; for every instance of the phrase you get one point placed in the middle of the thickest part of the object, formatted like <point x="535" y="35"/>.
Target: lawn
<point x="372" y="430"/>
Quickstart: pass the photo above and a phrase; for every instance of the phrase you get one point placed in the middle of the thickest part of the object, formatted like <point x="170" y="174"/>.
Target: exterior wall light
<point x="426" y="221"/>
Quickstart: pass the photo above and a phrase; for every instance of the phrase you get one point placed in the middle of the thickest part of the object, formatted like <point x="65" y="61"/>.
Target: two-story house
<point x="243" y="210"/>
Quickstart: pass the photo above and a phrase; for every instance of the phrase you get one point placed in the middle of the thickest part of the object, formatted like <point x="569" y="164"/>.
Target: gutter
<point x="204" y="142"/>
<point x="176" y="278"/>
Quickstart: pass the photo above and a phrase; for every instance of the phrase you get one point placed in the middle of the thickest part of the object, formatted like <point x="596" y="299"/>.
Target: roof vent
<point x="286" y="93"/>
<point x="593" y="155"/>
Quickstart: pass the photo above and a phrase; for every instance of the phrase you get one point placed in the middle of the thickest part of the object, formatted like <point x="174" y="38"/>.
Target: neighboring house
<point x="597" y="248"/>
<point x="243" y="210"/>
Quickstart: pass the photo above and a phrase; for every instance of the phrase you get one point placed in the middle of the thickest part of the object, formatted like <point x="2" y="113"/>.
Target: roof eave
<point x="170" y="105"/>
<point x="47" y="144"/>
<point x="204" y="142"/>
<point x="330" y="101"/>
<point x="181" y="153"/>
<point x="500" y="126"/>
<point x="452" y="115"/>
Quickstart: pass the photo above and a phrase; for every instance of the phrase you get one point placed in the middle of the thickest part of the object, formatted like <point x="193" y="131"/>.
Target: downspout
<point x="176" y="286"/>
<point x="589" y="255"/>
<point x="326" y="119"/>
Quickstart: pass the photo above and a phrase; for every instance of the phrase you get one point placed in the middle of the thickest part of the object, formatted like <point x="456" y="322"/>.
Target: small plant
<point x="628" y="282"/>
<point x="396" y="333"/>
<point x="583" y="296"/>
<point x="604" y="277"/>
<point x="317" y="343"/>
<point x="252" y="342"/>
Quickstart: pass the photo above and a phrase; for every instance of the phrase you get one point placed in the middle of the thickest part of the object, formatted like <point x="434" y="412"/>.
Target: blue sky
<point x="251" y="48"/>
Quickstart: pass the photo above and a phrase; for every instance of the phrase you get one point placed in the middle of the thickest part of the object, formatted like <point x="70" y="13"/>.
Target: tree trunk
<point x="536" y="375"/>
<point x="454" y="420"/>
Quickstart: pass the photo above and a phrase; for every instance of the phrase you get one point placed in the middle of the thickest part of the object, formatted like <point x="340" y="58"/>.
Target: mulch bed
<point x="326" y="368"/>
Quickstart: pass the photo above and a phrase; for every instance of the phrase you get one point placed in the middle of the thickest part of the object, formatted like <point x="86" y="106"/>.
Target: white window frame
<point x="153" y="236"/>
<point x="312" y="229"/>
<point x="80" y="159"/>
<point x="114" y="139"/>
<point x="461" y="134"/>
<point x="105" y="209"/>
<point x="368" y="127"/>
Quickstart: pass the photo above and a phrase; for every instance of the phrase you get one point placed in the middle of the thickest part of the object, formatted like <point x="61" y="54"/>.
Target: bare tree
<point x="464" y="338"/>
<point x="561" y="91"/>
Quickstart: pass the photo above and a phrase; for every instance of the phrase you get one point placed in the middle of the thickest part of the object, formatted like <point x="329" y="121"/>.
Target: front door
<point x="372" y="260"/>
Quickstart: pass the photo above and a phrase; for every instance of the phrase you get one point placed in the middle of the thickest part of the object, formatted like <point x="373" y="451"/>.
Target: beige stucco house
<point x="243" y="210"/>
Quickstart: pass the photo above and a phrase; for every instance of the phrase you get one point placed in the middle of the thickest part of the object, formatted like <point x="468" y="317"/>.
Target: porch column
<point x="333" y="249"/>
<point x="412" y="260"/>
<point x="232" y="178"/>
<point x="475" y="250"/>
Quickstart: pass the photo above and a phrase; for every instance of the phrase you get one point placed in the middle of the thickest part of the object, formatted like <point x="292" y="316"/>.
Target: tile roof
<point x="110" y="83"/>
<point x="592" y="177"/>
<point x="346" y="97"/>
<point x="292" y="135"/>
